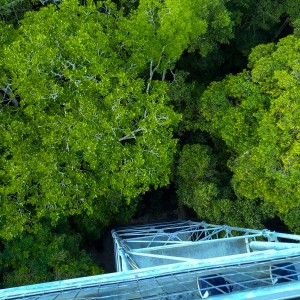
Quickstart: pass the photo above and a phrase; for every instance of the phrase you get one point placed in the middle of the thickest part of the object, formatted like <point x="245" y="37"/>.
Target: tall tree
<point x="86" y="124"/>
<point x="256" y="113"/>
<point x="85" y="133"/>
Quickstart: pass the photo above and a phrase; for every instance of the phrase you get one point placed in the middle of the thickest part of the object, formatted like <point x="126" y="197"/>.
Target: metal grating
<point x="186" y="260"/>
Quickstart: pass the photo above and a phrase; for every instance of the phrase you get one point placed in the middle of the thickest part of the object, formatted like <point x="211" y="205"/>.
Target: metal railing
<point x="186" y="260"/>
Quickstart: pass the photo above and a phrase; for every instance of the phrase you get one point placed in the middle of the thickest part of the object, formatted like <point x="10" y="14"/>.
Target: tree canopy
<point x="85" y="117"/>
<point x="256" y="114"/>
<point x="104" y="101"/>
<point x="45" y="256"/>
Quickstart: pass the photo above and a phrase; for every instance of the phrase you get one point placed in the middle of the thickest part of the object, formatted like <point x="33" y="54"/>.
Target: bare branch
<point x="152" y="71"/>
<point x="131" y="135"/>
<point x="6" y="97"/>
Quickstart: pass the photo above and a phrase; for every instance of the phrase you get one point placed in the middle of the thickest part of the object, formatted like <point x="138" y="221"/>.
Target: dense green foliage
<point x="45" y="256"/>
<point x="204" y="186"/>
<point x="256" y="113"/>
<point x="103" y="101"/>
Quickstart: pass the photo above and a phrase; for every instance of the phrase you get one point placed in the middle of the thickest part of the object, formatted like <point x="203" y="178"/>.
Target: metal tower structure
<point x="186" y="260"/>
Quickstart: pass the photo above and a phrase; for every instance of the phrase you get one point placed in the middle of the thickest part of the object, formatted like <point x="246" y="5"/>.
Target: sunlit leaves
<point x="164" y="29"/>
<point x="257" y="114"/>
<point x="86" y="131"/>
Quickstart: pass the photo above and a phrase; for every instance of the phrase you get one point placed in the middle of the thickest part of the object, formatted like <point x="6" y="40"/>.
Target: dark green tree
<point x="205" y="187"/>
<point x="44" y="256"/>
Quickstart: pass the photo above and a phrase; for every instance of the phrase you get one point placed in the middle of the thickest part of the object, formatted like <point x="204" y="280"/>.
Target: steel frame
<point x="144" y="240"/>
<point x="266" y="266"/>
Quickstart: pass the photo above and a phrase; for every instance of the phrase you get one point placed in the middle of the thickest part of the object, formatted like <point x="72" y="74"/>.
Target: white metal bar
<point x="175" y="258"/>
<point x="258" y="245"/>
<point x="290" y="290"/>
<point x="217" y="263"/>
<point x="195" y="243"/>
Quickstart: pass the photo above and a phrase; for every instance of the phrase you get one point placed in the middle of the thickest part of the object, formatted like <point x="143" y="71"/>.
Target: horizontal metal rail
<point x="247" y="264"/>
<point x="187" y="273"/>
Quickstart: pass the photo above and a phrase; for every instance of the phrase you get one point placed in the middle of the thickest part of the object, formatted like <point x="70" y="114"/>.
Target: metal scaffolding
<point x="186" y="260"/>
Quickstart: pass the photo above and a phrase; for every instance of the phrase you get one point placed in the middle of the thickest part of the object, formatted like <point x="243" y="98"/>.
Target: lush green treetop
<point x="86" y="121"/>
<point x="256" y="113"/>
<point x="85" y="131"/>
<point x="92" y="93"/>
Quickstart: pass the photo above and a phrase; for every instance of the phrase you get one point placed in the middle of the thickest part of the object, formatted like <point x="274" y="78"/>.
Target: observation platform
<point x="186" y="260"/>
